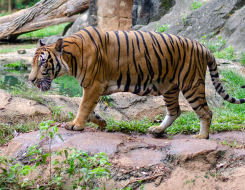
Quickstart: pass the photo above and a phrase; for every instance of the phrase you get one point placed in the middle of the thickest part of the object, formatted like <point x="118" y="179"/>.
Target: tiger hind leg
<point x="198" y="102"/>
<point x="96" y="119"/>
<point x="171" y="98"/>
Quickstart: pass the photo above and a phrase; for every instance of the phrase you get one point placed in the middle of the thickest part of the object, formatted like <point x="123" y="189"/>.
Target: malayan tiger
<point x="140" y="62"/>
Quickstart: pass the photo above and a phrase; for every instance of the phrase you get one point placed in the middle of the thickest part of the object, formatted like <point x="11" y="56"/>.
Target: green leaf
<point x="60" y="137"/>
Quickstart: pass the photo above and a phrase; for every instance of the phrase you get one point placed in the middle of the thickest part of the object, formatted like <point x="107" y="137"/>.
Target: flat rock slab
<point x="12" y="57"/>
<point x="127" y="150"/>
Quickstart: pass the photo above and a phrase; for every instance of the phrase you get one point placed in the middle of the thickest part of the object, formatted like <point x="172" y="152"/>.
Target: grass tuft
<point x="9" y="48"/>
<point x="195" y="5"/>
<point x="45" y="32"/>
<point x="23" y="91"/>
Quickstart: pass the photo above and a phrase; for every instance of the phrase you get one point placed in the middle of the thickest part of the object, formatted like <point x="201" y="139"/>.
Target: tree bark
<point x="42" y="14"/>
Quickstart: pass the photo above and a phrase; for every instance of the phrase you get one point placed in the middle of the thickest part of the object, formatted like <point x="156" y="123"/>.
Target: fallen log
<point x="42" y="14"/>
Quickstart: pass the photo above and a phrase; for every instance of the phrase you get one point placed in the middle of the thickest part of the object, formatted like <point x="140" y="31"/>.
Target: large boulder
<point x="149" y="10"/>
<point x="233" y="31"/>
<point x="180" y="9"/>
<point x="206" y="20"/>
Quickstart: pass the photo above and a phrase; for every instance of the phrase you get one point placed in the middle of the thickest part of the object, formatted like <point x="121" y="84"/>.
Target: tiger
<point x="140" y="62"/>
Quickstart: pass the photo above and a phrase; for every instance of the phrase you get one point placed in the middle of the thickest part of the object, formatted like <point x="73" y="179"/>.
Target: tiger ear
<point x="40" y="43"/>
<point x="59" y="45"/>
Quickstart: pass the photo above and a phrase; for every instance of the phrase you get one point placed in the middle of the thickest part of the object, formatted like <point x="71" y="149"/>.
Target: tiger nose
<point x="32" y="80"/>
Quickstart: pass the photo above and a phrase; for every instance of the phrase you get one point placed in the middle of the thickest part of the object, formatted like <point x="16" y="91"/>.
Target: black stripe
<point x="141" y="72"/>
<point x="196" y="99"/>
<point x="159" y="64"/>
<point x="73" y="58"/>
<point x="171" y="42"/>
<point x="233" y="100"/>
<point x="190" y="65"/>
<point x="118" y="43"/>
<point x="119" y="80"/>
<point x="200" y="106"/>
<point x="137" y="40"/>
<point x="98" y="35"/>
<point x="217" y="86"/>
<point x="169" y="51"/>
<point x="138" y="85"/>
<point x="143" y="39"/>
<point x="226" y="96"/>
<point x="220" y="90"/>
<point x="146" y="81"/>
<point x="215" y="76"/>
<point x="154" y="88"/>
<point x="166" y="71"/>
<point x="146" y="92"/>
<point x="134" y="57"/>
<point x="126" y="88"/>
<point x="150" y="68"/>
<point x="126" y="36"/>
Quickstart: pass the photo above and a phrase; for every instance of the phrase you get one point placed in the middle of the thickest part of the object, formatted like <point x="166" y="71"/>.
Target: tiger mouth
<point x="45" y="84"/>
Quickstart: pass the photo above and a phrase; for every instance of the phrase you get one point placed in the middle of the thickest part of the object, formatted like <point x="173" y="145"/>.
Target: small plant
<point x="107" y="100"/>
<point x="56" y="111"/>
<point x="195" y="5"/>
<point x="162" y="28"/>
<point x="228" y="53"/>
<point x="215" y="45"/>
<point x="184" y="21"/>
<point x="16" y="65"/>
<point x="242" y="59"/>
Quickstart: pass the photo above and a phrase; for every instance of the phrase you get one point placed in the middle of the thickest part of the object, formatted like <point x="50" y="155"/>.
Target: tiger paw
<point x="74" y="127"/>
<point x="155" y="129"/>
<point x="205" y="136"/>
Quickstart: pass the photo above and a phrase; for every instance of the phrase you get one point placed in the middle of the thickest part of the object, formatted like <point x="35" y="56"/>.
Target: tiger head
<point x="48" y="64"/>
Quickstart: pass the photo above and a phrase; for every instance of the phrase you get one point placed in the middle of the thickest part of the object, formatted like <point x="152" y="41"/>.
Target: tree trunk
<point x="9" y="7"/>
<point x="42" y="14"/>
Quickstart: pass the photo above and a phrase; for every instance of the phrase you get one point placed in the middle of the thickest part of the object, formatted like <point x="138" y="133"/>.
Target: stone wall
<point x="112" y="14"/>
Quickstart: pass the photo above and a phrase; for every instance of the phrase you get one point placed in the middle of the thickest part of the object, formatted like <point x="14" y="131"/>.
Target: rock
<point x="21" y="51"/>
<point x="213" y="14"/>
<point x="79" y="24"/>
<point x="233" y="31"/>
<point x="158" y="181"/>
<point x="148" y="11"/>
<point x="50" y="39"/>
<point x="179" y="10"/>
<point x="17" y="110"/>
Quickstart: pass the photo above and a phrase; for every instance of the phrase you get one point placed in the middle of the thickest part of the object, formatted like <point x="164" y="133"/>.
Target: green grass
<point x="195" y="5"/>
<point x="15" y="65"/>
<point x="68" y="84"/>
<point x="15" y="48"/>
<point x="45" y="32"/>
<point x="228" y="53"/>
<point x="7" y="131"/>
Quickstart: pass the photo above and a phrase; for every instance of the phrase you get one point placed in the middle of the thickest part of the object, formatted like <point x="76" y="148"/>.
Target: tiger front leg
<point x="89" y="101"/>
